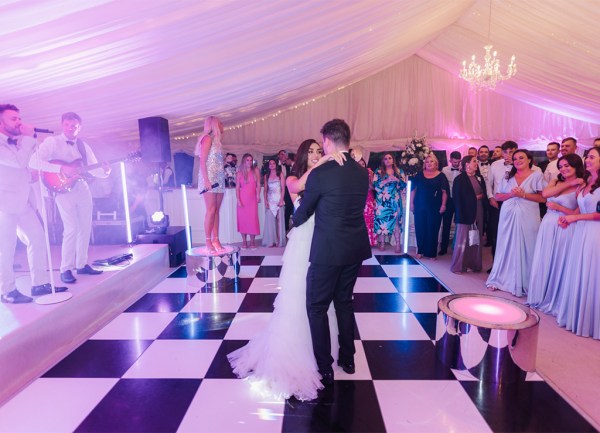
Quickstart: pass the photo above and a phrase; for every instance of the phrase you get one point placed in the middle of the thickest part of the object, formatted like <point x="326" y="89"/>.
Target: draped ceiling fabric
<point x="389" y="67"/>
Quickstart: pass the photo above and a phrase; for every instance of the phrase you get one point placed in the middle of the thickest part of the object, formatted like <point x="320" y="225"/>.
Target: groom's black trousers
<point x="327" y="283"/>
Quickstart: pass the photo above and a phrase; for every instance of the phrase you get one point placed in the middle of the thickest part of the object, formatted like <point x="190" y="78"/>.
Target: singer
<point x="211" y="179"/>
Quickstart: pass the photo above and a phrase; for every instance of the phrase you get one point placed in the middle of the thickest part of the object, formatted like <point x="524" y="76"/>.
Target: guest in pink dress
<point x="247" y="188"/>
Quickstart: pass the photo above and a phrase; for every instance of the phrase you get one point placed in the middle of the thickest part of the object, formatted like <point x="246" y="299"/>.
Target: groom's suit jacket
<point x="336" y="195"/>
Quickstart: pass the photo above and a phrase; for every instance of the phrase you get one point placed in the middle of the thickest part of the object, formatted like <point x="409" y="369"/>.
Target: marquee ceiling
<point x="116" y="61"/>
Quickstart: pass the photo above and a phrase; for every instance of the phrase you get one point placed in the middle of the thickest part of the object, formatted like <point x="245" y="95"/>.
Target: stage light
<point x="159" y="222"/>
<point x="126" y="202"/>
<point x="407" y="217"/>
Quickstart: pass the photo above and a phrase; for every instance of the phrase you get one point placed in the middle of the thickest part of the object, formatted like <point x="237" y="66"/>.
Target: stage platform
<point x="35" y="337"/>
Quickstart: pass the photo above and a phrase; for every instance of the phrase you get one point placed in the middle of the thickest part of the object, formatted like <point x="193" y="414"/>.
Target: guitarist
<point x="75" y="206"/>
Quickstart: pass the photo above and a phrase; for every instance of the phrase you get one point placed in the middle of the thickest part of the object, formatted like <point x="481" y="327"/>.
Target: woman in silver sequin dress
<point x="274" y="188"/>
<point x="211" y="172"/>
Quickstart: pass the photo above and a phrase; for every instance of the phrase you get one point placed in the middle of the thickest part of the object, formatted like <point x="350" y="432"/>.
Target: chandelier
<point x="488" y="75"/>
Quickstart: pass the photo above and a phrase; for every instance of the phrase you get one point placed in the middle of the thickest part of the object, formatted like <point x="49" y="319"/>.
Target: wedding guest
<point x="230" y="170"/>
<point x="286" y="168"/>
<point x="519" y="224"/>
<point x="388" y="185"/>
<point x="497" y="155"/>
<point x="548" y="280"/>
<point x="569" y="145"/>
<point x="428" y="202"/>
<point x="212" y="171"/>
<point x="468" y="194"/>
<point x="274" y="188"/>
<point x="484" y="163"/>
<point x="370" y="207"/>
<point x="451" y="172"/>
<point x="581" y="311"/>
<point x="247" y="189"/>
<point x="472" y="151"/>
<point x="550" y="166"/>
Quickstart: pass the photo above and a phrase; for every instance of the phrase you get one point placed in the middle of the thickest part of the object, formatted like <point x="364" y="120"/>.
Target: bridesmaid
<point x="518" y="225"/>
<point x="274" y="188"/>
<point x="428" y="201"/>
<point x="553" y="246"/>
<point x="580" y="310"/>
<point x="247" y="188"/>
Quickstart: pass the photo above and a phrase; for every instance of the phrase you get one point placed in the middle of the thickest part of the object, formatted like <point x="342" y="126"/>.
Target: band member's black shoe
<point x="67" y="277"/>
<point x="15" y="297"/>
<point x="347" y="367"/>
<point x="45" y="289"/>
<point x="88" y="270"/>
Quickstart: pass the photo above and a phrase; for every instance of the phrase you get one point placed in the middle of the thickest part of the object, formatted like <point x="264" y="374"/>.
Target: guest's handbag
<point x="473" y="235"/>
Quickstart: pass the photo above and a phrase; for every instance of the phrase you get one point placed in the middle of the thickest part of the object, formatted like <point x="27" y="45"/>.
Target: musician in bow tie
<point x="16" y="211"/>
<point x="65" y="154"/>
<point x="451" y="172"/>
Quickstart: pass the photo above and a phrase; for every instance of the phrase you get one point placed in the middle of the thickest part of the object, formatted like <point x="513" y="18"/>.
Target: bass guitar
<point x="60" y="182"/>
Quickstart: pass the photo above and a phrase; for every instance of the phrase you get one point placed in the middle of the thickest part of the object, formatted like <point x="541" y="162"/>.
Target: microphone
<point x="214" y="185"/>
<point x="43" y="131"/>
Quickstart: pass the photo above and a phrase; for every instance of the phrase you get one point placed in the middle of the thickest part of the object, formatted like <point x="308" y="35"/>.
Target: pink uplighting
<point x="494" y="311"/>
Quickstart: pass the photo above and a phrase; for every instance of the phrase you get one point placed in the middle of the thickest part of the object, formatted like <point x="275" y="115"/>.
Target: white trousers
<point x="28" y="228"/>
<point x="75" y="208"/>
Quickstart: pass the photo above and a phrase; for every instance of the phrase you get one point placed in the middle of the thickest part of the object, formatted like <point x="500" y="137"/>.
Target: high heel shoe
<point x="209" y="246"/>
<point x="218" y="245"/>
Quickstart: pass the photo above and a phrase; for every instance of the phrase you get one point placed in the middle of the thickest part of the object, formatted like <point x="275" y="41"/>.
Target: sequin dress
<point x="215" y="166"/>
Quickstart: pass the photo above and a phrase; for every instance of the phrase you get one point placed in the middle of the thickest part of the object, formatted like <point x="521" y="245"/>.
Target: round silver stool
<point x="216" y="269"/>
<point x="494" y="339"/>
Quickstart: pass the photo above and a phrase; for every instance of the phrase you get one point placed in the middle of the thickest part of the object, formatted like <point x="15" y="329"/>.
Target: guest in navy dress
<point x="580" y="312"/>
<point x="430" y="193"/>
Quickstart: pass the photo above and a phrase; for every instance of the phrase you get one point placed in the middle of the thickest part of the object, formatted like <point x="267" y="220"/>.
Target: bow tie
<point x="12" y="141"/>
<point x="70" y="142"/>
<point x="455" y="169"/>
<point x="484" y="163"/>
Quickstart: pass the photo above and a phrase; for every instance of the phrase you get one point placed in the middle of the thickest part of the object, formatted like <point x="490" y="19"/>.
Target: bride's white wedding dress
<point x="280" y="360"/>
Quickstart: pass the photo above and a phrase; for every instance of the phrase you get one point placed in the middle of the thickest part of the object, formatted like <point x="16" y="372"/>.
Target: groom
<point x="336" y="194"/>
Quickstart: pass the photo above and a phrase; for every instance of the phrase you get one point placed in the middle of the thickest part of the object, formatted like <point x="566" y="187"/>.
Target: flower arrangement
<point x="411" y="159"/>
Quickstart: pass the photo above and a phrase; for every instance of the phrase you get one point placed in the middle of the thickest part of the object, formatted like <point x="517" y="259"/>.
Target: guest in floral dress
<point x="388" y="185"/>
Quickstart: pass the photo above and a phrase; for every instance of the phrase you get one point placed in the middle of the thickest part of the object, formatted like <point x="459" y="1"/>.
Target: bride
<point x="280" y="361"/>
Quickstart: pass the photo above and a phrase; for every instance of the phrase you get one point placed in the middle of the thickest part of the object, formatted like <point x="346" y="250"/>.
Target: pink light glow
<point x="493" y="311"/>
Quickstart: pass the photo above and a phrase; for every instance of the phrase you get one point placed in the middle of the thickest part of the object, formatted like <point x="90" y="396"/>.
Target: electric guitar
<point x="60" y="182"/>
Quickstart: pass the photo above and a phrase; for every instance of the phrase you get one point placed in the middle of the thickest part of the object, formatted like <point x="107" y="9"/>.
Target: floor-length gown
<point x="580" y="309"/>
<point x="517" y="233"/>
<point x="274" y="228"/>
<point x="280" y="359"/>
<point x="548" y="283"/>
<point x="247" y="215"/>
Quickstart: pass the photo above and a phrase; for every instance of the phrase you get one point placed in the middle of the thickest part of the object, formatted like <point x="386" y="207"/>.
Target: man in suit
<point x="451" y="172"/>
<point x="336" y="194"/>
<point x="17" y="215"/>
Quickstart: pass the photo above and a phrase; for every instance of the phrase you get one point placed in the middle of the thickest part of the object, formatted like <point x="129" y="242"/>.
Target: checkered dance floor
<point x="161" y="366"/>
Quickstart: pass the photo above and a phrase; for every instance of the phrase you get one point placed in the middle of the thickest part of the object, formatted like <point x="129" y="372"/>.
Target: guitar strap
<point x="81" y="148"/>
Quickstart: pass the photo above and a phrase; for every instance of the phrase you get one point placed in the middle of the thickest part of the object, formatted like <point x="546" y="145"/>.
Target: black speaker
<point x="154" y="139"/>
<point x="175" y="237"/>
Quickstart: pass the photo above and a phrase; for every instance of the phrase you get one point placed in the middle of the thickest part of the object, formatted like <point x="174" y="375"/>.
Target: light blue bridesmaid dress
<point x="517" y="233"/>
<point x="580" y="310"/>
<point x="552" y="248"/>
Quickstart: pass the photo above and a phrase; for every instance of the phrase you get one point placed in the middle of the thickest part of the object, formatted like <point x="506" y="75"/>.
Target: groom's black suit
<point x="336" y="195"/>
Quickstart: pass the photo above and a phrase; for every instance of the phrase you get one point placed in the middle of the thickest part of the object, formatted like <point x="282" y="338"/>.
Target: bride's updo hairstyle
<point x="301" y="161"/>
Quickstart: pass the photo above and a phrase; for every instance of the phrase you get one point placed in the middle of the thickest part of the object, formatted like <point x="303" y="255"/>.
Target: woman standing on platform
<point x="274" y="188"/>
<point x="211" y="172"/>
<point x="388" y="185"/>
<point x="247" y="189"/>
<point x="429" y="196"/>
<point x="548" y="283"/>
<point x="580" y="308"/>
<point x="468" y="194"/>
<point x="519" y="222"/>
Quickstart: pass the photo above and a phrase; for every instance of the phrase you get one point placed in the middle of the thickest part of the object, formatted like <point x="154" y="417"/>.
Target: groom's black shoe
<point x="327" y="379"/>
<point x="347" y="367"/>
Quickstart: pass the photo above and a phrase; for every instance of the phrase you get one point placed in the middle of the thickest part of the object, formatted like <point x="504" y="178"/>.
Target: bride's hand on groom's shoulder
<point x="339" y="157"/>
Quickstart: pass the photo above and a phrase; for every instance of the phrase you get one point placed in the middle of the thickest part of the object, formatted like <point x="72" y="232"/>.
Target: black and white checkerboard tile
<point x="161" y="366"/>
